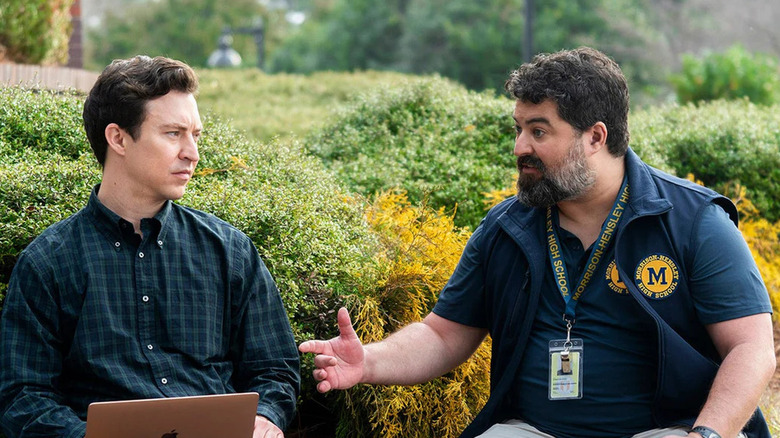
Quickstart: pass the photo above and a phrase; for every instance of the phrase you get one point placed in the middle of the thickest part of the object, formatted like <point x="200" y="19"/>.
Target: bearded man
<point x="622" y="301"/>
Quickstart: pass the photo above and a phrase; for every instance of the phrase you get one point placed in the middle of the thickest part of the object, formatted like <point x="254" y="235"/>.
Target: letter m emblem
<point x="659" y="276"/>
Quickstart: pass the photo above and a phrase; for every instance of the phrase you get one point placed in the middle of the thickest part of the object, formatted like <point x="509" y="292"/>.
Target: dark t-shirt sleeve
<point x="463" y="299"/>
<point x="725" y="281"/>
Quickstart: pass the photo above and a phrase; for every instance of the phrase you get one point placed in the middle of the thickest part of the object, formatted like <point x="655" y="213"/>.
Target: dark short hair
<point x="587" y="86"/>
<point x="122" y="90"/>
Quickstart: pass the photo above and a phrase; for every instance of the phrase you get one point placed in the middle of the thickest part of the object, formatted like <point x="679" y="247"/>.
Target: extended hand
<point x="339" y="361"/>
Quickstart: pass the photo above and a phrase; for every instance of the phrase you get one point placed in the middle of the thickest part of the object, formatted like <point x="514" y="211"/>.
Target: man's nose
<point x="189" y="150"/>
<point x="522" y="145"/>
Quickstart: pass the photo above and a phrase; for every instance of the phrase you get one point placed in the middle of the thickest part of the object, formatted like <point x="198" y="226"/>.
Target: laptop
<point x="208" y="416"/>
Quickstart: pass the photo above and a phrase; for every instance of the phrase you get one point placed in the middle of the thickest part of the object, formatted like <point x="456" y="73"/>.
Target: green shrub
<point x="37" y="121"/>
<point x="266" y="106"/>
<point x="308" y="229"/>
<point x="46" y="169"/>
<point x="733" y="74"/>
<point x="717" y="142"/>
<point x="35" y="31"/>
<point x="433" y="138"/>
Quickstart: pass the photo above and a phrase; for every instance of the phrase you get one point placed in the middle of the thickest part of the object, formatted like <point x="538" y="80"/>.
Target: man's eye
<point x="172" y="133"/>
<point x="538" y="133"/>
<point x="518" y="130"/>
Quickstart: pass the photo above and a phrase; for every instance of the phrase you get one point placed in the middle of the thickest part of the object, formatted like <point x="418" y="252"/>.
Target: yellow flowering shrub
<point x="762" y="238"/>
<point x="420" y="249"/>
<point x="491" y="199"/>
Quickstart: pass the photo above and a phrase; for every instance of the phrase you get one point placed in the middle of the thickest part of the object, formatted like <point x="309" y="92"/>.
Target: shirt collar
<point x="110" y="224"/>
<point x="644" y="197"/>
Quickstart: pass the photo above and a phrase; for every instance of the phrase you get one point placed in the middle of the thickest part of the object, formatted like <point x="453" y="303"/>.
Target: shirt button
<point x="150" y="347"/>
<point x="145" y="298"/>
<point x="164" y="381"/>
<point x="141" y="255"/>
<point x="159" y="243"/>
<point x="117" y="244"/>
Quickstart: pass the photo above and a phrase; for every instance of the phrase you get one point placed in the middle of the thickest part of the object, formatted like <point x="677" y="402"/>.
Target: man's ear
<point x="116" y="138"/>
<point x="597" y="136"/>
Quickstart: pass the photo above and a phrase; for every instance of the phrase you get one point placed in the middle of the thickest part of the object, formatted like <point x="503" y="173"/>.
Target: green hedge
<point x="268" y="105"/>
<point x="45" y="174"/>
<point x="717" y="142"/>
<point x="433" y="138"/>
<point x="732" y="74"/>
<point x="448" y="146"/>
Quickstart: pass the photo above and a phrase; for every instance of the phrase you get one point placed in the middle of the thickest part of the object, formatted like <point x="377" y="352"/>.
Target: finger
<point x="345" y="324"/>
<point x="313" y="347"/>
<point x="322" y="361"/>
<point x="319" y="375"/>
<point x="324" y="386"/>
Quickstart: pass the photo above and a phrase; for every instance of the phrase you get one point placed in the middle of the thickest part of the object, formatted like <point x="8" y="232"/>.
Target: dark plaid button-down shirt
<point x="94" y="312"/>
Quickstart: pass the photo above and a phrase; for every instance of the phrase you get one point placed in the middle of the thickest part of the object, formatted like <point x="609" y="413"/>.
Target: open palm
<point x="339" y="361"/>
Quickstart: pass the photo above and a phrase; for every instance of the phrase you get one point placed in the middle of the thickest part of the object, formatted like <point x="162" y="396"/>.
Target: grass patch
<point x="265" y="106"/>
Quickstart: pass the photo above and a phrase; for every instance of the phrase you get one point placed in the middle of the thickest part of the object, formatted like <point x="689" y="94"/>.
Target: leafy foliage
<point x="45" y="167"/>
<point x="182" y="29"/>
<point x="35" y="31"/>
<point x="427" y="36"/>
<point x="433" y="138"/>
<point x="733" y="74"/>
<point x="368" y="28"/>
<point x="310" y="232"/>
<point x="719" y="142"/>
<point x="265" y="106"/>
<point x="763" y="238"/>
<point x="420" y="248"/>
<point x="41" y="121"/>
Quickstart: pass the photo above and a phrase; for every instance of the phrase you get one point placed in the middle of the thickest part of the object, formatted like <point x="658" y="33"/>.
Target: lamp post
<point x="528" y="41"/>
<point x="225" y="56"/>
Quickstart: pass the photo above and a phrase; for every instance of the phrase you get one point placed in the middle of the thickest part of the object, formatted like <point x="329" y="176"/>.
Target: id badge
<point x="565" y="382"/>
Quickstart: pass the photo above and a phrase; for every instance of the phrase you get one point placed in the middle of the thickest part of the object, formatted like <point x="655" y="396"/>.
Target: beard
<point x="562" y="181"/>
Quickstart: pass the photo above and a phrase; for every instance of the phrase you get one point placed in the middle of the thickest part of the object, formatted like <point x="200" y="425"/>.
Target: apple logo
<point x="171" y="434"/>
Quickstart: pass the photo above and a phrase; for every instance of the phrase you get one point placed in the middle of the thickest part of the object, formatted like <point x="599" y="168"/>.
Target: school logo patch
<point x="657" y="276"/>
<point x="613" y="280"/>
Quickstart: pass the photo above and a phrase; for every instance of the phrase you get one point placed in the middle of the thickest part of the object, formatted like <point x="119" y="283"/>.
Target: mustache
<point x="530" y="161"/>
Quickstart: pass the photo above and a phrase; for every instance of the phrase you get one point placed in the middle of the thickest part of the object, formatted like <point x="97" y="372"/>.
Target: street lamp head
<point x="224" y="56"/>
<point x="225" y="41"/>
